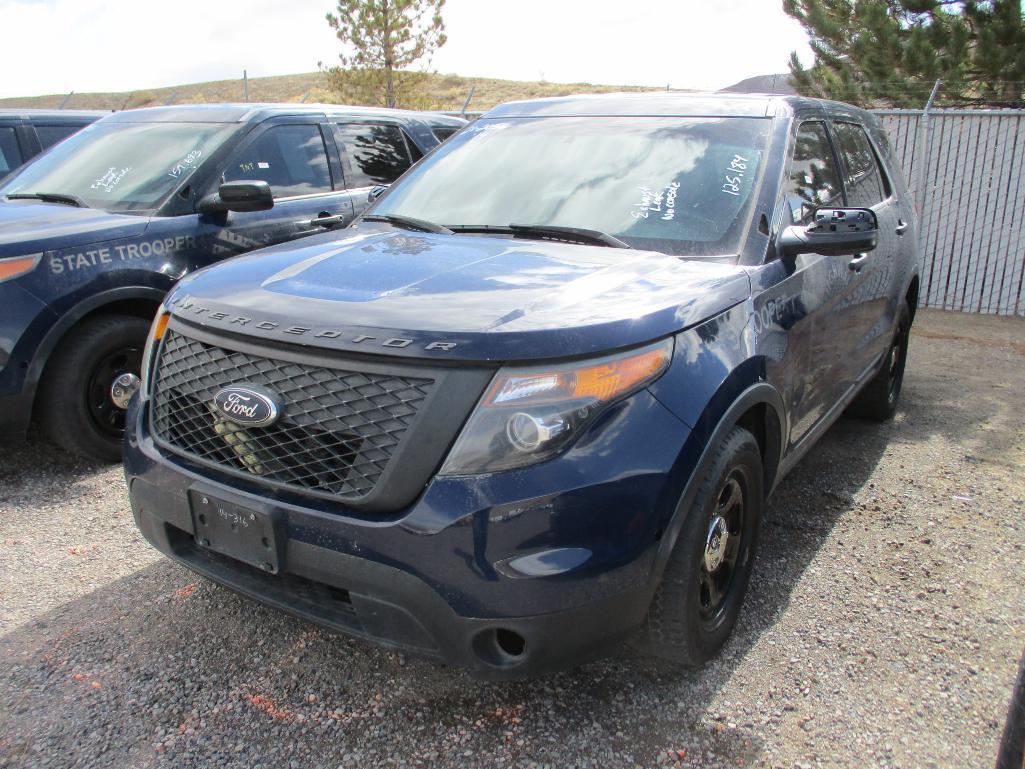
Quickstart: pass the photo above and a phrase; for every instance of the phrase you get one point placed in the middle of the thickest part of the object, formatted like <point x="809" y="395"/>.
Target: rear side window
<point x="372" y="154"/>
<point x="10" y="156"/>
<point x="51" y="134"/>
<point x="813" y="180"/>
<point x="290" y="158"/>
<point x="862" y="177"/>
<point x="414" y="151"/>
<point x="443" y="132"/>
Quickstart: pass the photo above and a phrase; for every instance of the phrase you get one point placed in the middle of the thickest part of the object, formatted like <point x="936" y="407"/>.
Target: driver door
<point x="297" y="160"/>
<point x="816" y="293"/>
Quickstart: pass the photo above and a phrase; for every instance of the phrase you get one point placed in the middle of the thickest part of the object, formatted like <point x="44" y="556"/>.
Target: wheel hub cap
<point x="715" y="543"/>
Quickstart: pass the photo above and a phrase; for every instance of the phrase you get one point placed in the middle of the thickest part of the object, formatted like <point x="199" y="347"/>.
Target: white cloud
<point x="55" y="46"/>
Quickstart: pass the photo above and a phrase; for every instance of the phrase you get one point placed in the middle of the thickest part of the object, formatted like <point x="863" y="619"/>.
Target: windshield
<point x="121" y="166"/>
<point x="681" y="186"/>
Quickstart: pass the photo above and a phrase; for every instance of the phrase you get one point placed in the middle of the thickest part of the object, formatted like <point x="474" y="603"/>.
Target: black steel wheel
<point x="706" y="576"/>
<point x="74" y="404"/>
<point x="108" y="418"/>
<point x="724" y="545"/>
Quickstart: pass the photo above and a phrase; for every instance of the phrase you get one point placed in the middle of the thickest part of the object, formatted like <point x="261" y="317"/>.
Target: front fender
<point x="712" y="385"/>
<point x="67" y="320"/>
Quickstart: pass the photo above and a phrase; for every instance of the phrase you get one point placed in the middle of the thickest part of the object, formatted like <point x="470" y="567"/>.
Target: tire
<point x="686" y="623"/>
<point x="74" y="406"/>
<point x="878" y="399"/>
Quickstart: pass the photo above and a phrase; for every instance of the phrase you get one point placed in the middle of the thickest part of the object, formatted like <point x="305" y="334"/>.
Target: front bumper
<point x="508" y="575"/>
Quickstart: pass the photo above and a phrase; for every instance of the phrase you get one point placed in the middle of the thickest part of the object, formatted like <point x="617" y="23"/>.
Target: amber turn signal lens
<point x="18" y="266"/>
<point x="160" y="326"/>
<point x="604" y="382"/>
<point x="601" y="381"/>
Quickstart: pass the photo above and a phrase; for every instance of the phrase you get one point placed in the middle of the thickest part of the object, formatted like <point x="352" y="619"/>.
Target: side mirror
<point x="238" y="196"/>
<point x="835" y="232"/>
<point x="375" y="193"/>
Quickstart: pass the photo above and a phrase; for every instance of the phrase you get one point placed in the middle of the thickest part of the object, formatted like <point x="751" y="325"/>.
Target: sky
<point x="56" y="46"/>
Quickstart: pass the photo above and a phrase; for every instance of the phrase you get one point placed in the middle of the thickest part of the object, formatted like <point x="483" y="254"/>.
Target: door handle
<point x="858" y="262"/>
<point x="901" y="227"/>
<point x="326" y="220"/>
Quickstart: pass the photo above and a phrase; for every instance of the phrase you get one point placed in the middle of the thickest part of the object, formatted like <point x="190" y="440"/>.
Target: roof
<point x="52" y="113"/>
<point x="662" y="103"/>
<point x="239" y="113"/>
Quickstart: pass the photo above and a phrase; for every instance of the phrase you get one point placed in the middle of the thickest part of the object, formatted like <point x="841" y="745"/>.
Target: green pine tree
<point x="382" y="40"/>
<point x="890" y="52"/>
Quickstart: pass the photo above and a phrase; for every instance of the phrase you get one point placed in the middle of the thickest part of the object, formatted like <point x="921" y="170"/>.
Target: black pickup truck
<point x="94" y="233"/>
<point x="533" y="402"/>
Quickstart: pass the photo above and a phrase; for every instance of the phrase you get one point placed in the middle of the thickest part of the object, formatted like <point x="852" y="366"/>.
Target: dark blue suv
<point x="533" y="402"/>
<point x="24" y="133"/>
<point x="97" y="230"/>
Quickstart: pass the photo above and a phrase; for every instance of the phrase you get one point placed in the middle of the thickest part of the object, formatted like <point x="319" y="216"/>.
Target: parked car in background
<point x="95" y="232"/>
<point x="533" y="403"/>
<point x="24" y="133"/>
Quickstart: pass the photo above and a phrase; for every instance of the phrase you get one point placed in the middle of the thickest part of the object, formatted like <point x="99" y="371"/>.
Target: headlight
<point x="532" y="413"/>
<point x="15" y="267"/>
<point x="156" y="333"/>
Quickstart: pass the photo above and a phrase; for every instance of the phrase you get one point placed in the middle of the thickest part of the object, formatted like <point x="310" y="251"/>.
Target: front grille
<point x="337" y="432"/>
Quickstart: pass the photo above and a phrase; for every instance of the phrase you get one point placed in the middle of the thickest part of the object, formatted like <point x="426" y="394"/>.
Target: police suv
<point x="534" y="401"/>
<point x="95" y="232"/>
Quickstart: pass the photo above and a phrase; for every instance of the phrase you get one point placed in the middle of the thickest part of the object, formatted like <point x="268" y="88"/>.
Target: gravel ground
<point x="883" y="627"/>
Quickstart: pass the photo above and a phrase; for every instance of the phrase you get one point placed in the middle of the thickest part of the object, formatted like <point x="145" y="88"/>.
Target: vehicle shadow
<point x="37" y="470"/>
<point x="160" y="667"/>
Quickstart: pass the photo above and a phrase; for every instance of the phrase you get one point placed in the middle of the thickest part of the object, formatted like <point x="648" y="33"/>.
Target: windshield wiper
<point x="569" y="233"/>
<point x="50" y="197"/>
<point x="553" y="231"/>
<point x="408" y="223"/>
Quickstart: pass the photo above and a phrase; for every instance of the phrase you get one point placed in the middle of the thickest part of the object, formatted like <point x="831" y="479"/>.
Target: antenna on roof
<point x="245" y="84"/>
<point x="174" y="95"/>
<point x="304" y="98"/>
<point x="125" y="102"/>
<point x="65" y="100"/>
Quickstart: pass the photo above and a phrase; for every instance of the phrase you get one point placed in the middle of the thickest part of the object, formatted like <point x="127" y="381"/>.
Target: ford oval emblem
<point x="248" y="405"/>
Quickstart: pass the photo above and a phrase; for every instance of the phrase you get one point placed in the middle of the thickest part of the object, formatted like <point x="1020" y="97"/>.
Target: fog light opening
<point x="510" y="642"/>
<point x="500" y="647"/>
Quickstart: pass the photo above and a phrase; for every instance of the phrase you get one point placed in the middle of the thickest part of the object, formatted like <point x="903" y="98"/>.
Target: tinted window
<point x="51" y="134"/>
<point x="290" y="158"/>
<point x="813" y="178"/>
<point x="414" y="151"/>
<point x="678" y="185"/>
<point x="861" y="171"/>
<point x="10" y="157"/>
<point x="443" y="132"/>
<point x="117" y="166"/>
<point x="371" y="154"/>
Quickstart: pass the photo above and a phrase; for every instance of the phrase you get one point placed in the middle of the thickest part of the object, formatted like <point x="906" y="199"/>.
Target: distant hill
<point x="444" y="92"/>
<point x="763" y="84"/>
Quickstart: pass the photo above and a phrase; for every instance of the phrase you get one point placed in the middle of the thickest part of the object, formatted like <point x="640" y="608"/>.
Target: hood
<point x="457" y="296"/>
<point x="28" y="226"/>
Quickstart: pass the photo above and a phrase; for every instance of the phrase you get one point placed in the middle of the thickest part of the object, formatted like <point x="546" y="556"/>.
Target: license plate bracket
<point x="247" y="535"/>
